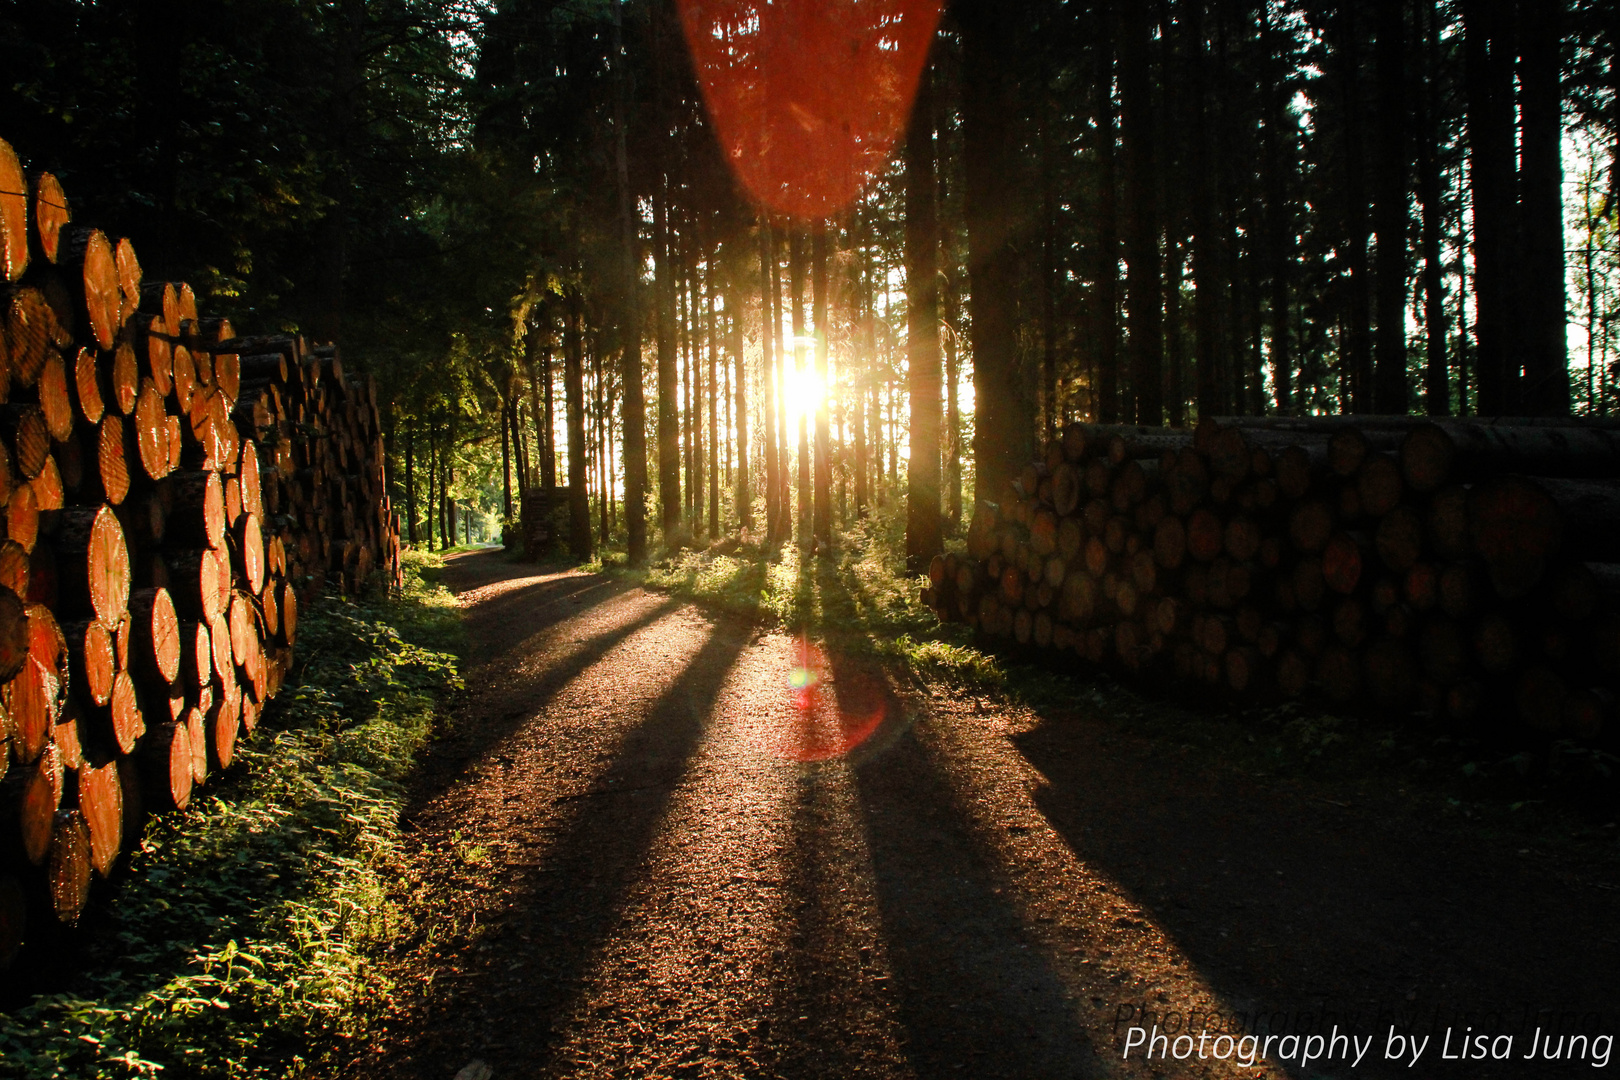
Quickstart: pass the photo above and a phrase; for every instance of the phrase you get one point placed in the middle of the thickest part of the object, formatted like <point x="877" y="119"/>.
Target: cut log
<point x="196" y="517"/>
<point x="185" y="378"/>
<point x="32" y="329"/>
<point x="55" y="400"/>
<point x="1540" y="696"/>
<point x="22" y="518"/>
<point x="1399" y="538"/>
<point x="1378" y="485"/>
<point x="51" y="212"/>
<point x="91" y="658"/>
<point x="1391" y="674"/>
<point x="1342" y="563"/>
<point x="287" y="602"/>
<point x="1443" y="451"/>
<point x="14" y="571"/>
<point x="123" y="379"/>
<point x="70" y="864"/>
<point x="40" y="796"/>
<point x="129" y="277"/>
<point x="48" y="491"/>
<point x="88" y="255"/>
<point x="161" y="298"/>
<point x="101" y="801"/>
<point x="155" y="645"/>
<point x="166" y="765"/>
<point x="152" y="431"/>
<point x="28" y="437"/>
<point x="94" y="563"/>
<point x="13" y="215"/>
<point x="15" y="639"/>
<point x="112" y="459"/>
<point x="196" y="656"/>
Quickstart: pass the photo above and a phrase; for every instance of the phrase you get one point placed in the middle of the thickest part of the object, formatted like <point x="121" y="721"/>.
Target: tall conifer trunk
<point x="923" y="539"/>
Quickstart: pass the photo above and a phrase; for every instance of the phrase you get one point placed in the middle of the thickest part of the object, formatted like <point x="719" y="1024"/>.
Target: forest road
<point x="655" y="842"/>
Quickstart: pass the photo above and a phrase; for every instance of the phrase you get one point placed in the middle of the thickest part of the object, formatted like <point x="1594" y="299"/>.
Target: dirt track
<point x="645" y="848"/>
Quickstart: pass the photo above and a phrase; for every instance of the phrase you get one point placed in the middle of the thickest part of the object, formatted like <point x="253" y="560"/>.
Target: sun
<point x="802" y="393"/>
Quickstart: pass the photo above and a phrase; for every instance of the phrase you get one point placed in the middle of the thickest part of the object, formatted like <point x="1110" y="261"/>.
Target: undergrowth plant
<point x="858" y="593"/>
<point x="239" y="941"/>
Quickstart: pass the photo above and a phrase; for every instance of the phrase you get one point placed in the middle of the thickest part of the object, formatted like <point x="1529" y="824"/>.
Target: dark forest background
<point x="515" y="215"/>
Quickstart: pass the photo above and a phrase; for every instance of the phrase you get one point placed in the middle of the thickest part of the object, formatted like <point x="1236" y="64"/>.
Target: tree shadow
<point x="493" y="710"/>
<point x="529" y="968"/>
<point x="980" y="991"/>
<point x="1304" y="905"/>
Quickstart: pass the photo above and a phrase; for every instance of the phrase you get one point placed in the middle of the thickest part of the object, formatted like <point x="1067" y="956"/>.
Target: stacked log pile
<point x="169" y="492"/>
<point x="1464" y="569"/>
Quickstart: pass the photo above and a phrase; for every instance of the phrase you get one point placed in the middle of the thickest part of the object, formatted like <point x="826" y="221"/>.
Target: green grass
<point x="858" y="595"/>
<point x="241" y="939"/>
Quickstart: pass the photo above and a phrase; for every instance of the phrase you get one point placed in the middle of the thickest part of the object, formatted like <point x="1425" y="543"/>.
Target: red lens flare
<point x="825" y="716"/>
<point x="808" y="96"/>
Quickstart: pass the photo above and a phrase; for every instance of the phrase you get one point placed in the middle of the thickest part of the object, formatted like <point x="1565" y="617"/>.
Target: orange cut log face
<point x="808" y="96"/>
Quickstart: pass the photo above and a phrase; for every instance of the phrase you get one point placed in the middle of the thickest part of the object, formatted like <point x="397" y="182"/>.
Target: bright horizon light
<point x="804" y="391"/>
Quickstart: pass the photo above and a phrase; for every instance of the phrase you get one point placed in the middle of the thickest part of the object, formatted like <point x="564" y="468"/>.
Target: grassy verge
<point x="859" y="597"/>
<point x="239" y="941"/>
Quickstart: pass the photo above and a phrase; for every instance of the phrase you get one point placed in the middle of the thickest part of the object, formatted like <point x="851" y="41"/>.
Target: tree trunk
<point x="1356" y="360"/>
<point x="767" y="371"/>
<point x="669" y="418"/>
<point x="712" y="339"/>
<point x="410" y="481"/>
<point x="953" y="414"/>
<point x="1489" y="50"/>
<point x="819" y="258"/>
<point x="1106" y="319"/>
<point x="1206" y="297"/>
<point x="784" y="498"/>
<point x="1390" y="391"/>
<point x="923" y="539"/>
<point x="990" y="110"/>
<point x="1280" y="136"/>
<point x="868" y="308"/>
<point x="1144" y="285"/>
<point x="506" y="454"/>
<point x="796" y="291"/>
<point x="635" y="407"/>
<point x="1541" y="181"/>
<point x="1436" y="382"/>
<point x="744" y="486"/>
<point x="579" y="510"/>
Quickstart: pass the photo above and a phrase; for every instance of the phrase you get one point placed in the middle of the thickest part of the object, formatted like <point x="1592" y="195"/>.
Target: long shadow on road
<point x="1305" y="907"/>
<point x="512" y="1000"/>
<point x="588" y="616"/>
<point x="978" y="987"/>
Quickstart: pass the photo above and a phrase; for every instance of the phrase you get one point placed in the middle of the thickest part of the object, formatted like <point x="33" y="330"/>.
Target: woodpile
<point x="170" y="492"/>
<point x="1467" y="570"/>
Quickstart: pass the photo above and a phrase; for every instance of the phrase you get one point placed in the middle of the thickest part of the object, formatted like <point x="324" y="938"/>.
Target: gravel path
<point x="657" y="843"/>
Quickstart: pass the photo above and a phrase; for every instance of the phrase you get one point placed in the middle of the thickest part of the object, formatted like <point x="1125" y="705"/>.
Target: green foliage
<point x="241" y="940"/>
<point x="859" y="595"/>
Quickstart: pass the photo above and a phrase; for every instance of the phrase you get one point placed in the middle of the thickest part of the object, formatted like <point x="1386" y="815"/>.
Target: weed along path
<point x="657" y="842"/>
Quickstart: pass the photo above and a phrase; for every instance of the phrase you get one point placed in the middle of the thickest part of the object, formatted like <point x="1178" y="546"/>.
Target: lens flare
<point x="808" y="97"/>
<point x="831" y="709"/>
